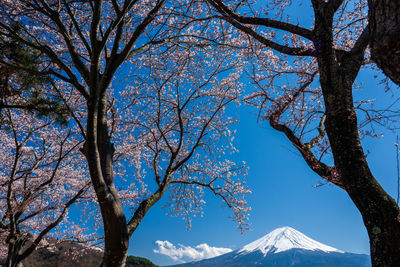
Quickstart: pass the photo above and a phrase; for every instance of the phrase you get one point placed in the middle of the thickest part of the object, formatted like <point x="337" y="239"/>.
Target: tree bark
<point x="384" y="19"/>
<point x="100" y="159"/>
<point x="380" y="213"/>
<point x="15" y="248"/>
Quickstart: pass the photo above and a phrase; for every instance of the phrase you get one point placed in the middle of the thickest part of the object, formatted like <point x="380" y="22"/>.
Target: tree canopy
<point x="146" y="84"/>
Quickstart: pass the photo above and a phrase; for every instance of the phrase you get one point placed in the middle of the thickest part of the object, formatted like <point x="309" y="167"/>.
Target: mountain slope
<point x="283" y="239"/>
<point x="285" y="247"/>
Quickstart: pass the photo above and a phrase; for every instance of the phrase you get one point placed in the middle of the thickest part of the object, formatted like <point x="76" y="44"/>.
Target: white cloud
<point x="182" y="253"/>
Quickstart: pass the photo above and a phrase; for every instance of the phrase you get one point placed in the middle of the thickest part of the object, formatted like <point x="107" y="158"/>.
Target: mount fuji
<point x="285" y="247"/>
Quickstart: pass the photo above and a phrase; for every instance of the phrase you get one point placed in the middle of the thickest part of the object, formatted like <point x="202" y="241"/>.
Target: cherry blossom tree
<point x="170" y="120"/>
<point x="174" y="122"/>
<point x="41" y="177"/>
<point x="305" y="77"/>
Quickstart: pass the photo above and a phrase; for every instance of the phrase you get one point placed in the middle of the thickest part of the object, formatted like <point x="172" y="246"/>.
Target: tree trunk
<point x="15" y="247"/>
<point x="384" y="19"/>
<point x="380" y="213"/>
<point x="100" y="159"/>
<point x="115" y="225"/>
<point x="115" y="234"/>
<point x="12" y="256"/>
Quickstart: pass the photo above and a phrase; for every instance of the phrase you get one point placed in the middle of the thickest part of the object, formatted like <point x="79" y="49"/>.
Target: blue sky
<point x="282" y="193"/>
<point x="282" y="185"/>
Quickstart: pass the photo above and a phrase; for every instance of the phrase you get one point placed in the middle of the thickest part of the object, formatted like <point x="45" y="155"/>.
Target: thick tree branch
<point x="52" y="56"/>
<point x="144" y="206"/>
<point x="294" y="51"/>
<point x="77" y="28"/>
<point x="271" y="23"/>
<point x="116" y="61"/>
<point x="320" y="168"/>
<point x="55" y="17"/>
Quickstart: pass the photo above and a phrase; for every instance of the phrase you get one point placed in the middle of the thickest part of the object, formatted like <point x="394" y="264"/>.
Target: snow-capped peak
<point x="283" y="239"/>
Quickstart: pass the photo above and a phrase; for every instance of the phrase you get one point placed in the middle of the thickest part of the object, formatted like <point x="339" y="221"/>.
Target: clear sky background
<point x="282" y="186"/>
<point x="282" y="193"/>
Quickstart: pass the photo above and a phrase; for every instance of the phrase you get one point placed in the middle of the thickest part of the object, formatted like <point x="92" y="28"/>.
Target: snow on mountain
<point x="283" y="239"/>
<point x="284" y="247"/>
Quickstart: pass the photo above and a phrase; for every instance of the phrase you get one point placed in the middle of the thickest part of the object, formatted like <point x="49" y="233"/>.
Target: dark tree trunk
<point x="115" y="225"/>
<point x="15" y="249"/>
<point x="380" y="213"/>
<point x="384" y="19"/>
<point x="100" y="159"/>
<point x="12" y="256"/>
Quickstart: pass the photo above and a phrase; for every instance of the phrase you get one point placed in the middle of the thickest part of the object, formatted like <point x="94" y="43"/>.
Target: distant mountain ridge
<point x="285" y="247"/>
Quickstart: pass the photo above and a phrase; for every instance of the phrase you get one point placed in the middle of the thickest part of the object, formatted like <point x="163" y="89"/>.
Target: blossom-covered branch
<point x="41" y="178"/>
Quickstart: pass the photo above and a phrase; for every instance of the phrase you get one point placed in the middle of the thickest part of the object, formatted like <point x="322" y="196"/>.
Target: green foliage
<point x="96" y="264"/>
<point x="21" y="77"/>
<point x="139" y="261"/>
<point x="48" y="107"/>
<point x="21" y="61"/>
